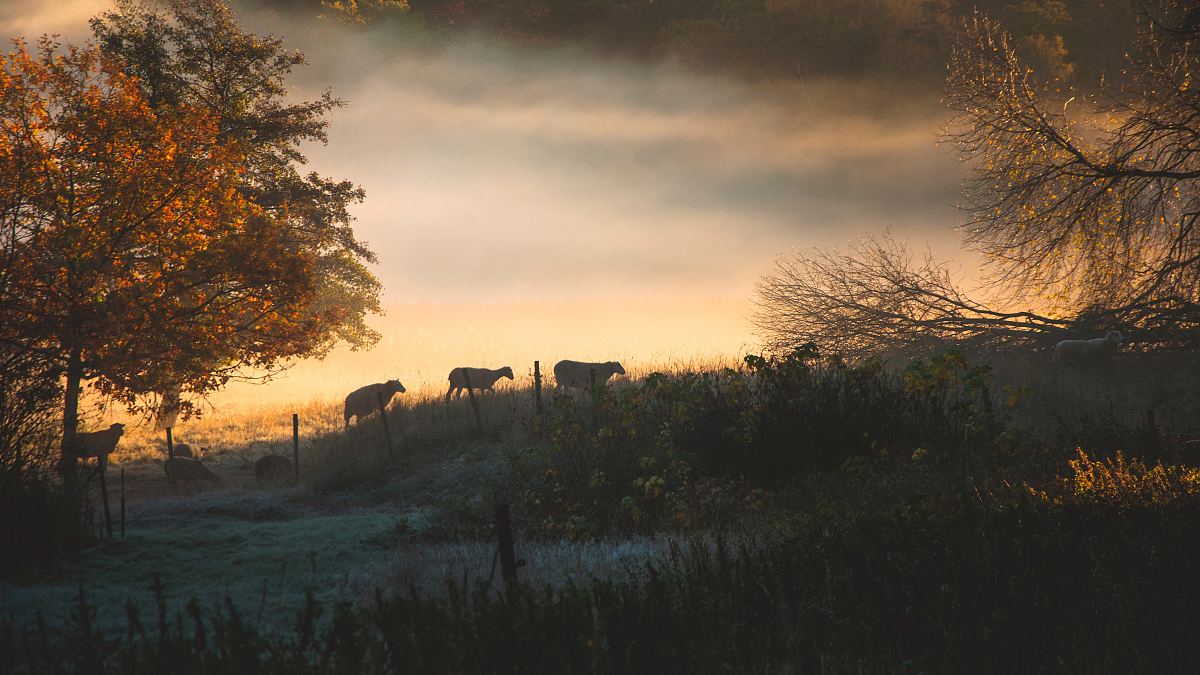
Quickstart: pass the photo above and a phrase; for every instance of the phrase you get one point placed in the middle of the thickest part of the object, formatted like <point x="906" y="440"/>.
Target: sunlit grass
<point x="242" y="432"/>
<point x="252" y="430"/>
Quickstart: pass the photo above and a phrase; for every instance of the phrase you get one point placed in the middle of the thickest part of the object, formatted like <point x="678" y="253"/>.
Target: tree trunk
<point x="68" y="461"/>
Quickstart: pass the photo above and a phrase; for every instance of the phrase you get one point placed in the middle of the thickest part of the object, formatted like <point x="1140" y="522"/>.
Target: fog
<point x="31" y="19"/>
<point x="499" y="174"/>
<point x="534" y="203"/>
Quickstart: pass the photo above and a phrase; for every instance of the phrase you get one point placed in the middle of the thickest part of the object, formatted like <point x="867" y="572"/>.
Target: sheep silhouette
<point x="481" y="378"/>
<point x="578" y="374"/>
<point x="98" y="444"/>
<point x="362" y="401"/>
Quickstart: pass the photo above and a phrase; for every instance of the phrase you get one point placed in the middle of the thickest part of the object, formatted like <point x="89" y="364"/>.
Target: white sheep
<point x="1080" y="353"/>
<point x="98" y="444"/>
<point x="481" y="378"/>
<point x="578" y="374"/>
<point x="182" y="470"/>
<point x="361" y="402"/>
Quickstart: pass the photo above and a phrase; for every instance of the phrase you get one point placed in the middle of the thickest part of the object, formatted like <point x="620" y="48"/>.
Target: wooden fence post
<point x="296" y="447"/>
<point x="537" y="388"/>
<point x="508" y="560"/>
<point x="103" y="460"/>
<point x="170" y="456"/>
<point x="595" y="420"/>
<point x="471" y="395"/>
<point x="122" y="502"/>
<point x="387" y="433"/>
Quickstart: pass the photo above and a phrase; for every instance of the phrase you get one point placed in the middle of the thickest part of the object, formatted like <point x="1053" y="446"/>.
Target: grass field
<point x="830" y="470"/>
<point x="356" y="521"/>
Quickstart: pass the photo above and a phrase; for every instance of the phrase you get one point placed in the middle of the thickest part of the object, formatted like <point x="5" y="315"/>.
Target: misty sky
<point x="499" y="177"/>
<point x="499" y="174"/>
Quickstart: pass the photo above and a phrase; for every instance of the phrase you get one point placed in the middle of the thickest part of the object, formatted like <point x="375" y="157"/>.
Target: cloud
<point x="498" y="172"/>
<point x="31" y="19"/>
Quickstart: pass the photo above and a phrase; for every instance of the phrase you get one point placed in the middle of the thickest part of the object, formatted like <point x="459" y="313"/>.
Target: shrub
<point x="698" y="449"/>
<point x="1120" y="482"/>
<point x="38" y="521"/>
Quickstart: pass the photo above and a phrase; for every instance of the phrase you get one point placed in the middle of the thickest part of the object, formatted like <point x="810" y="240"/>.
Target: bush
<point x="38" y="521"/>
<point x="698" y="450"/>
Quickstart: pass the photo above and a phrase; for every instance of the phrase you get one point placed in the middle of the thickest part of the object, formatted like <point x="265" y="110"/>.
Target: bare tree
<point x="1084" y="206"/>
<point x="877" y="297"/>
<point x="1088" y="201"/>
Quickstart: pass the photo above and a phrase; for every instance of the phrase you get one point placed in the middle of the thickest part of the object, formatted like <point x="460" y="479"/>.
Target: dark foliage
<point x="933" y="584"/>
<point x="694" y="449"/>
<point x="38" y="520"/>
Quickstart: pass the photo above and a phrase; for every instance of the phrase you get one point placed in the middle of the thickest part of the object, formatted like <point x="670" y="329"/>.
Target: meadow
<point x="770" y="515"/>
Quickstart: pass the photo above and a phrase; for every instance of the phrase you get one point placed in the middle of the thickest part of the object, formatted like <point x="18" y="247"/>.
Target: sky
<point x="536" y="203"/>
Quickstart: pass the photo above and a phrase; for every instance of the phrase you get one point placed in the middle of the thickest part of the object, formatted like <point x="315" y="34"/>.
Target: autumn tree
<point x="196" y="53"/>
<point x="1083" y="205"/>
<point x="128" y="243"/>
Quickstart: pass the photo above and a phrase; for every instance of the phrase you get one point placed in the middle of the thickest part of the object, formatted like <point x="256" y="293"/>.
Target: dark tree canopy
<point x="905" y="40"/>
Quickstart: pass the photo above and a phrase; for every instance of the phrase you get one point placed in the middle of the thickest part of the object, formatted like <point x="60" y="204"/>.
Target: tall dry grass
<point x="1135" y="402"/>
<point x="421" y="422"/>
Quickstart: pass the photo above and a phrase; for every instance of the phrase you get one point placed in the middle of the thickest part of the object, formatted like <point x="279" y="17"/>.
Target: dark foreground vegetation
<point x="846" y="518"/>
<point x="933" y="587"/>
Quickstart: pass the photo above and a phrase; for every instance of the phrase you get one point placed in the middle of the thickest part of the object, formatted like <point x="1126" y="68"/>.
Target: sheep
<point x="1080" y="353"/>
<point x="481" y="378"/>
<point x="188" y="471"/>
<point x="184" y="450"/>
<point x="273" y="468"/>
<point x="360" y="402"/>
<point x="578" y="374"/>
<point x="98" y="444"/>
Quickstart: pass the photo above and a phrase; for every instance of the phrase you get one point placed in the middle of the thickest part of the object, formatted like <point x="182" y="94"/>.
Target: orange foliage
<point x="130" y="255"/>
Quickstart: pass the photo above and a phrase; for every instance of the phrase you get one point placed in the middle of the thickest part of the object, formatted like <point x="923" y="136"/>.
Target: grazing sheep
<point x="578" y="374"/>
<point x="273" y="468"/>
<point x="361" y="402"/>
<point x="183" y="450"/>
<point x="1080" y="353"/>
<point x="98" y="444"/>
<point x="481" y="378"/>
<point x="181" y="470"/>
